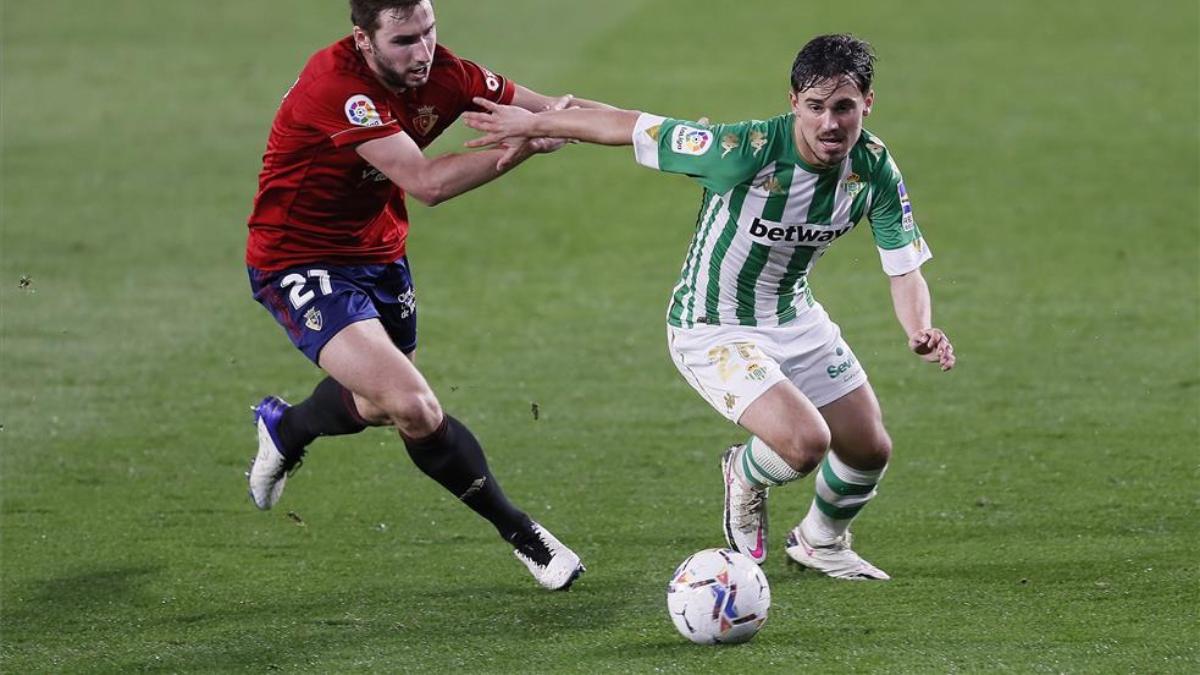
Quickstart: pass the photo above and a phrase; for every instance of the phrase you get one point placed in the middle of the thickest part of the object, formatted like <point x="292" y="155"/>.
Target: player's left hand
<point x="932" y="345"/>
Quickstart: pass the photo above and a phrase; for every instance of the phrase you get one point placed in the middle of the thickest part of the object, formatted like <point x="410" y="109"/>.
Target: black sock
<point x="329" y="411"/>
<point x="452" y="456"/>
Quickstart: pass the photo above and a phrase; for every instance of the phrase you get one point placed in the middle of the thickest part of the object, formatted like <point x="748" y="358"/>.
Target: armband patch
<point x="360" y="110"/>
<point x="690" y="140"/>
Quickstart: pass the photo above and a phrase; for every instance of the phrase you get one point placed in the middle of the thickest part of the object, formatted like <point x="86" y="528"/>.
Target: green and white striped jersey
<point x="766" y="216"/>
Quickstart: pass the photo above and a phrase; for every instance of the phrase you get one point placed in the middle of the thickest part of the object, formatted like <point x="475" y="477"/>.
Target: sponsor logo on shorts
<point x="361" y="112"/>
<point x="837" y="370"/>
<point x="730" y="401"/>
<point x="690" y="140"/>
<point x="408" y="303"/>
<point x="313" y="319"/>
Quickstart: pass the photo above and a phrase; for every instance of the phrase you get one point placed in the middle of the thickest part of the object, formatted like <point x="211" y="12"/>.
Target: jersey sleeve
<point x="346" y="109"/>
<point x="901" y="247"/>
<point x="475" y="80"/>
<point x="718" y="156"/>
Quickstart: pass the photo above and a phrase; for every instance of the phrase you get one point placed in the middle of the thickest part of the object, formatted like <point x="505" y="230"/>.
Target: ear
<point x="362" y="40"/>
<point x="794" y="100"/>
<point x="868" y="101"/>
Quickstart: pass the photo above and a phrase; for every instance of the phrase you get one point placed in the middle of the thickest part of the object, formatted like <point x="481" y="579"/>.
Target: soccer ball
<point x="718" y="595"/>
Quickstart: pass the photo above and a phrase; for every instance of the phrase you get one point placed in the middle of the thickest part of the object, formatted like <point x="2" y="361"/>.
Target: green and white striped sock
<point x="759" y="466"/>
<point x="841" y="493"/>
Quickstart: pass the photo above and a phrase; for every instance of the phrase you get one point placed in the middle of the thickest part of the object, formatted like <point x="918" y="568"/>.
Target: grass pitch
<point x="1040" y="515"/>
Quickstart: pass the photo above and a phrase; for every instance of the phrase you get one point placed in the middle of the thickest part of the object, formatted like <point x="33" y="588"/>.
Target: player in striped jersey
<point x="743" y="327"/>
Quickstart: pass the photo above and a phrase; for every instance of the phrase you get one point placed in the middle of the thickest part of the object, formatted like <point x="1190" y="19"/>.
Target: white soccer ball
<point x="718" y="596"/>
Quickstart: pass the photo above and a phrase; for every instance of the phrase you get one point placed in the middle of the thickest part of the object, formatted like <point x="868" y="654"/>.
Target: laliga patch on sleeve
<point x="690" y="140"/>
<point x="360" y="110"/>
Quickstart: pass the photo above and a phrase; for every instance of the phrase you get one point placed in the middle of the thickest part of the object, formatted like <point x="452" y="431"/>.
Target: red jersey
<point x="318" y="200"/>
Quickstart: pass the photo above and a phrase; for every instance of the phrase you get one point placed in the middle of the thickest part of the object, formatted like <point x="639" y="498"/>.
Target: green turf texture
<point x="1040" y="514"/>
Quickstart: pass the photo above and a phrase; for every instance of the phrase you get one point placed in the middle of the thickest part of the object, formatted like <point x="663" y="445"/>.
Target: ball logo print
<point x="360" y="110"/>
<point x="718" y="596"/>
<point x="690" y="140"/>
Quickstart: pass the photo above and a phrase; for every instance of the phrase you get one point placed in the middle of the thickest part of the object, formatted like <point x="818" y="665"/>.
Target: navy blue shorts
<point x="313" y="302"/>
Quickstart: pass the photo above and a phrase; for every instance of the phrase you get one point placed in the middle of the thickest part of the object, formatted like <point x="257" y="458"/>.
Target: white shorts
<point x="731" y="366"/>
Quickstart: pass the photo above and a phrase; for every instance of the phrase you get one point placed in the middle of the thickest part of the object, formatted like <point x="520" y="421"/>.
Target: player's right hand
<point x="932" y="345"/>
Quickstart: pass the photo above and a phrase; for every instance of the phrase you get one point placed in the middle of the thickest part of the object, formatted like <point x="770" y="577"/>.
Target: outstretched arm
<point x="603" y="126"/>
<point x="534" y="102"/>
<point x="432" y="180"/>
<point x="910" y="298"/>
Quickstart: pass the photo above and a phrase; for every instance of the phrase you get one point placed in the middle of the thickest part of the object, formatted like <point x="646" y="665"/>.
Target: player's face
<point x="829" y="119"/>
<point x="401" y="50"/>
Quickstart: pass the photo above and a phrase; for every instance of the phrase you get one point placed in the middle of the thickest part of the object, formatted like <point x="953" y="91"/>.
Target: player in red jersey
<point x="326" y="252"/>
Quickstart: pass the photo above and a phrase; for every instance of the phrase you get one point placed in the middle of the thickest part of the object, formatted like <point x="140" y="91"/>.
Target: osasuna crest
<point x="313" y="319"/>
<point x="425" y="119"/>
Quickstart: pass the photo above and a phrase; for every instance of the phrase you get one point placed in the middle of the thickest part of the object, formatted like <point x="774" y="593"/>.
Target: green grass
<point x="1040" y="515"/>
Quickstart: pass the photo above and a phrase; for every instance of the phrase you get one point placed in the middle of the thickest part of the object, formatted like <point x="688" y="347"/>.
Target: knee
<point x="870" y="454"/>
<point x="414" y="414"/>
<point x="804" y="448"/>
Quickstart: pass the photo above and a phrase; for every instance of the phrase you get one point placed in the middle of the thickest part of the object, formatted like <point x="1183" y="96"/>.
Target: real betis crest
<point x="426" y="117"/>
<point x="853" y="184"/>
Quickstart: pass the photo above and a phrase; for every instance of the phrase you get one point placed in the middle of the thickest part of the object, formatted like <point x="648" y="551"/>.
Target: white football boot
<point x="837" y="559"/>
<point x="270" y="468"/>
<point x="554" y="565"/>
<point x="745" y="510"/>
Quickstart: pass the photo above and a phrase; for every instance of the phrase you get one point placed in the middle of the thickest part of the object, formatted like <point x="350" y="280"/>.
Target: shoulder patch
<point x="690" y="140"/>
<point x="360" y="110"/>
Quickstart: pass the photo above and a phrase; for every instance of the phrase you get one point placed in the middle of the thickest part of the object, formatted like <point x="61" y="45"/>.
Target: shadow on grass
<point x="73" y="599"/>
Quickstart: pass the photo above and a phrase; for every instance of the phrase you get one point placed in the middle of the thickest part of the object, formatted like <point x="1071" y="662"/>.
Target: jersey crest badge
<point x="758" y="141"/>
<point x="729" y="143"/>
<point x="313" y="319"/>
<point x="426" y="117"/>
<point x="854" y="185"/>
<point x="690" y="140"/>
<point x="361" y="112"/>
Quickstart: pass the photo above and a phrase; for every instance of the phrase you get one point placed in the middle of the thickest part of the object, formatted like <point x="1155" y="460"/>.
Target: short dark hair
<point x="365" y="13"/>
<point x="833" y="57"/>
